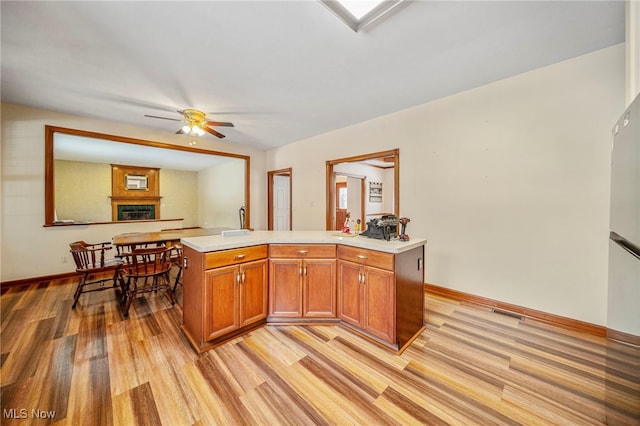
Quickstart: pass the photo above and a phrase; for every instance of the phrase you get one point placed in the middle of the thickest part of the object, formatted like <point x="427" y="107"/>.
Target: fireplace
<point x="135" y="193"/>
<point x="136" y="212"/>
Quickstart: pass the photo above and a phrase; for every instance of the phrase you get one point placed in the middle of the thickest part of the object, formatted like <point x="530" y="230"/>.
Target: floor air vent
<point x="507" y="314"/>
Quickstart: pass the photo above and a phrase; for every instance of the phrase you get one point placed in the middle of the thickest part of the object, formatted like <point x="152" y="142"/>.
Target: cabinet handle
<point x="239" y="257"/>
<point x="362" y="256"/>
<point x="300" y="272"/>
<point x="303" y="252"/>
<point x="243" y="278"/>
<point x="238" y="277"/>
<point x="305" y="271"/>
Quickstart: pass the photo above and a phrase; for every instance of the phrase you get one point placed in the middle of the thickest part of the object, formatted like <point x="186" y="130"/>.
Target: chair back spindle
<point x="146" y="270"/>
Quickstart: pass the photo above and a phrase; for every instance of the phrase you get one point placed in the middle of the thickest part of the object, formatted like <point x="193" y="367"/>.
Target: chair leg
<point x="178" y="275"/>
<point x="167" y="279"/>
<point x="116" y="279"/>
<point x="78" y="292"/>
<point x="125" y="289"/>
<point x="131" y="294"/>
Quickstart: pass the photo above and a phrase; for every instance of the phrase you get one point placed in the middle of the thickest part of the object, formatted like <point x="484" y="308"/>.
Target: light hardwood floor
<point x="470" y="367"/>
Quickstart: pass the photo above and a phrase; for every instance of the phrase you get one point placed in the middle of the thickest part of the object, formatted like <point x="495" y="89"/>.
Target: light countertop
<point x="219" y="242"/>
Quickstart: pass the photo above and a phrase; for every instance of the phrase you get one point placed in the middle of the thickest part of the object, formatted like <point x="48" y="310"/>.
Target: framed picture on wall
<point x="375" y="192"/>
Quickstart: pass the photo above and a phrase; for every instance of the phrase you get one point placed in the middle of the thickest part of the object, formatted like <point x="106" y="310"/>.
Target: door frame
<point x="270" y="175"/>
<point x="331" y="182"/>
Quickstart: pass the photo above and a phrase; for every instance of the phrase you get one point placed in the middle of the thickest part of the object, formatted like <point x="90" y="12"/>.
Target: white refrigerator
<point x="623" y="303"/>
<point x="622" y="375"/>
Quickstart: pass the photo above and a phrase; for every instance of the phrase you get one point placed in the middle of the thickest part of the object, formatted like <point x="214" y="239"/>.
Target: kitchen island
<point x="235" y="283"/>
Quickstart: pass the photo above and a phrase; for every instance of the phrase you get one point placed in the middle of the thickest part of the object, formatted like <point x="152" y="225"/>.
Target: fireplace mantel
<point x="123" y="194"/>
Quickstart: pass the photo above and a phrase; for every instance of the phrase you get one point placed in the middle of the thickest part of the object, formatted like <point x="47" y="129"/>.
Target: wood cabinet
<point x="302" y="281"/>
<point x="235" y="296"/>
<point x="224" y="293"/>
<point x="378" y="295"/>
<point x="367" y="299"/>
<point x="381" y="294"/>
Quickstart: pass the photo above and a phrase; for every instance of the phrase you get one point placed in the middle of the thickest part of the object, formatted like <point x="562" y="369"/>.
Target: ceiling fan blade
<point x="219" y="123"/>
<point x="213" y="132"/>
<point x="163" y="118"/>
<point x="180" y="131"/>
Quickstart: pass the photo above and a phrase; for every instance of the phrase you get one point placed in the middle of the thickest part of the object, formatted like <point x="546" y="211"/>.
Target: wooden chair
<point x="146" y="270"/>
<point x="90" y="260"/>
<point x="122" y="250"/>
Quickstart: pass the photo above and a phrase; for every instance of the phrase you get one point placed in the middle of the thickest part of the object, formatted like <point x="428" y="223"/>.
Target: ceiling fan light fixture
<point x="197" y="131"/>
<point x="196" y="123"/>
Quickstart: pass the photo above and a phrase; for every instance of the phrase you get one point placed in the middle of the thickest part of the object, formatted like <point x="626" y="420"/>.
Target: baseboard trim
<point x="4" y="285"/>
<point x="585" y="327"/>
<point x="620" y="336"/>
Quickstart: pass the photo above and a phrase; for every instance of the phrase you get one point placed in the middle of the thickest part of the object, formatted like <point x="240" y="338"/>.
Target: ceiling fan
<point x="196" y="123"/>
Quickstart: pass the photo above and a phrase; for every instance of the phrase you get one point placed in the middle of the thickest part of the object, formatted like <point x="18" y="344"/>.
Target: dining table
<point x="167" y="237"/>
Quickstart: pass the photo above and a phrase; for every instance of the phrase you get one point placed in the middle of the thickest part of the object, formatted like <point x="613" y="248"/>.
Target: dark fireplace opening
<point x="137" y="212"/>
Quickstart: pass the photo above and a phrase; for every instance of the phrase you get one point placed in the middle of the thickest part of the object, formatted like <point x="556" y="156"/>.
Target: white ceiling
<point x="281" y="71"/>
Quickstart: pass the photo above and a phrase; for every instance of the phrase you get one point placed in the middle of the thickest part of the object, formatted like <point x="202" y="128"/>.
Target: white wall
<point x="179" y="192"/>
<point x="509" y="182"/>
<point x="30" y="250"/>
<point x="221" y="194"/>
<point x="632" y="49"/>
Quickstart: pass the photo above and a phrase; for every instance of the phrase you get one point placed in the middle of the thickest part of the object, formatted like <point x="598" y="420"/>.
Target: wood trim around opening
<point x="49" y="184"/>
<point x="331" y="182"/>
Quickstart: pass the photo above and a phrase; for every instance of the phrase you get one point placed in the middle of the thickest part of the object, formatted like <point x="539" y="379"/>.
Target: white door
<point x="281" y="207"/>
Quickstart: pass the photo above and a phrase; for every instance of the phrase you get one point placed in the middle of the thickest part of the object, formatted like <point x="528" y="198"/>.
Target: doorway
<point x="385" y="160"/>
<point x="349" y="198"/>
<point x="279" y="200"/>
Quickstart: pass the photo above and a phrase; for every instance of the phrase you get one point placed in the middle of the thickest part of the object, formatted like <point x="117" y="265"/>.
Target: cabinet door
<point x="380" y="302"/>
<point x="350" y="292"/>
<point x="253" y="292"/>
<point x="221" y="301"/>
<point x="285" y="287"/>
<point x="319" y="289"/>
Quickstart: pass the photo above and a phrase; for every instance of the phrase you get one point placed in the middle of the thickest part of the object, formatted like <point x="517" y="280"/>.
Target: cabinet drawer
<point x="317" y="251"/>
<point x="235" y="256"/>
<point x="377" y="259"/>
